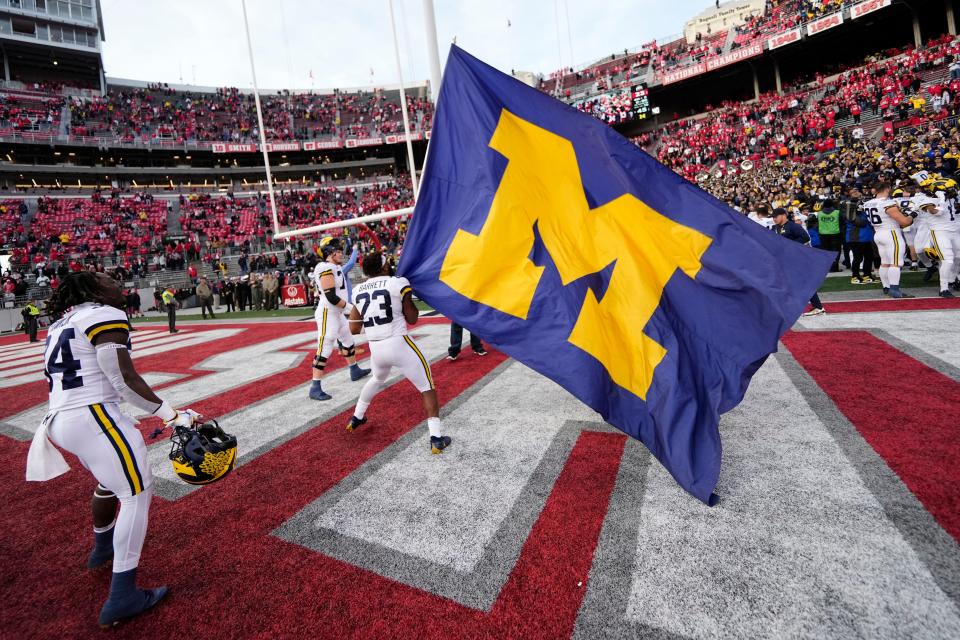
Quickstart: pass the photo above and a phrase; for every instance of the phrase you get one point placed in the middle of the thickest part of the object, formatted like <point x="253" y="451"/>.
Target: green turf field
<point x="286" y="314"/>
<point x="908" y="280"/>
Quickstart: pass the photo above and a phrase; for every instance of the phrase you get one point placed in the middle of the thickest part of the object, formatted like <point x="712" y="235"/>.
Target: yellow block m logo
<point x="542" y="185"/>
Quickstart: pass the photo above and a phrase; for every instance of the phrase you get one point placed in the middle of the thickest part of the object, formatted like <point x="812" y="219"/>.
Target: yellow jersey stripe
<point x="328" y="272"/>
<point x="405" y="291"/>
<point x="936" y="246"/>
<point x="423" y="361"/>
<point x="896" y="247"/>
<point x="323" y="331"/>
<point x="127" y="460"/>
<point x="97" y="329"/>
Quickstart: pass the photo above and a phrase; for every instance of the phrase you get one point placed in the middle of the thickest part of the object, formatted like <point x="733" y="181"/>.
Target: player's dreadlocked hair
<point x="74" y="289"/>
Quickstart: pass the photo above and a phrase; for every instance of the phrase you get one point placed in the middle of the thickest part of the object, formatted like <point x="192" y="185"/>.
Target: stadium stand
<point x="159" y="112"/>
<point x="809" y="132"/>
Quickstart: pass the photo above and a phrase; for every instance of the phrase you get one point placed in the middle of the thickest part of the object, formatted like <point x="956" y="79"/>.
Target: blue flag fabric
<point x="568" y="248"/>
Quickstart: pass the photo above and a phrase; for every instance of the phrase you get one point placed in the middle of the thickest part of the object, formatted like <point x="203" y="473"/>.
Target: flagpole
<point x="263" y="135"/>
<point x="403" y="106"/>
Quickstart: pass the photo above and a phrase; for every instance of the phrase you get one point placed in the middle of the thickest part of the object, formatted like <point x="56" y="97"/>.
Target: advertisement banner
<point x="670" y="77"/>
<point x="230" y="147"/>
<point x="402" y="137"/>
<point x="862" y="9"/>
<point x="294" y="295"/>
<point x="352" y="143"/>
<point x="317" y="145"/>
<point x="716" y="62"/>
<point x="824" y="23"/>
<point x="282" y="146"/>
<point x="734" y="56"/>
<point x="785" y="38"/>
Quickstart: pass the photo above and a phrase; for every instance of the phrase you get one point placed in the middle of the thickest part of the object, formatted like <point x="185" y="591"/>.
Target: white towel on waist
<point x="44" y="461"/>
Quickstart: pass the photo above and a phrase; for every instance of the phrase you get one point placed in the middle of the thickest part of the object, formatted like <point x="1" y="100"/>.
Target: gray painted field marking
<point x="476" y="585"/>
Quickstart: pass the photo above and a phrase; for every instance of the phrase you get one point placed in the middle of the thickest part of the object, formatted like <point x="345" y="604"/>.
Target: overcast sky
<point x="203" y="42"/>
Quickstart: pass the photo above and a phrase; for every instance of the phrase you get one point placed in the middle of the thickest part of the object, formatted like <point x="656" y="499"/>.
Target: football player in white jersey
<point x="331" y="315"/>
<point x="942" y="238"/>
<point x="89" y="370"/>
<point x="384" y="307"/>
<point x="888" y="220"/>
<point x="904" y="196"/>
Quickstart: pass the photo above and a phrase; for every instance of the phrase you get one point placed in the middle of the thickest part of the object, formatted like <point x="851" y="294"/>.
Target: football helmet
<point x="328" y="246"/>
<point x="202" y="454"/>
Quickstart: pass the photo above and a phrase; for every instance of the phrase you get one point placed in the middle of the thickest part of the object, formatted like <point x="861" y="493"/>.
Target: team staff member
<point x="90" y="373"/>
<point x="31" y="320"/>
<point x="384" y="308"/>
<point x="888" y="220"/>
<point x="790" y="230"/>
<point x="828" y="226"/>
<point x="170" y="302"/>
<point x="860" y="241"/>
<point x="331" y="316"/>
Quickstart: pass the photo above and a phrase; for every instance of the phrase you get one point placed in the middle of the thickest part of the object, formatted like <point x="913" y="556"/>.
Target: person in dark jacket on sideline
<point x="860" y="241"/>
<point x="784" y="226"/>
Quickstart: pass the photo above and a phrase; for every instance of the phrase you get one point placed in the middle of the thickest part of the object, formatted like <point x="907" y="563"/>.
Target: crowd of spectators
<point x="25" y="112"/>
<point x="160" y="112"/>
<point x="802" y="124"/>
<point x="623" y="69"/>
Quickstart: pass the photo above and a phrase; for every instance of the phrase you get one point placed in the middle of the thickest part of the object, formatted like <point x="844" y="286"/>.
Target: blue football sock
<point x="123" y="584"/>
<point x="102" y="541"/>
<point x="316" y="386"/>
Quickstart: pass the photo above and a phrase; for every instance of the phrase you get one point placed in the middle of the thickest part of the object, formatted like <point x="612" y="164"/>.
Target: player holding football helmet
<point x="90" y="372"/>
<point x="384" y="308"/>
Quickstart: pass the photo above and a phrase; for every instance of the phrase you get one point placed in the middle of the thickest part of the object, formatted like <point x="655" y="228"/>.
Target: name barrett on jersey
<point x="380" y="302"/>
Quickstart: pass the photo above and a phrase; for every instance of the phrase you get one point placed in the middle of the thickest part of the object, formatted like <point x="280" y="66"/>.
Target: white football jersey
<point x="70" y="359"/>
<point x="876" y="211"/>
<point x="766" y="223"/>
<point x="380" y="302"/>
<point x="328" y="268"/>
<point x="944" y="219"/>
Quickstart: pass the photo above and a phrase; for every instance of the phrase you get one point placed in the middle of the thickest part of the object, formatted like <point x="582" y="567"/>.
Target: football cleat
<point x="886" y="291"/>
<point x="930" y="272"/>
<point x="356" y="423"/>
<point x="453" y="356"/>
<point x="866" y="280"/>
<point x="896" y="293"/>
<point x="116" y="611"/>
<point x="814" y="312"/>
<point x="856" y="280"/>
<point x="99" y="557"/>
<point x="480" y="352"/>
<point x="947" y="294"/>
<point x="317" y="393"/>
<point x="356" y="373"/>
<point x="439" y="444"/>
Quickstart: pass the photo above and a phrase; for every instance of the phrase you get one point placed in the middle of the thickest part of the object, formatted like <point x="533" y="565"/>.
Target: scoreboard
<point x="641" y="101"/>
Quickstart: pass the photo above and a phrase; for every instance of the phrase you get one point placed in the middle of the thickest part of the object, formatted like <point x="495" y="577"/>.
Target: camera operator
<point x="859" y="238"/>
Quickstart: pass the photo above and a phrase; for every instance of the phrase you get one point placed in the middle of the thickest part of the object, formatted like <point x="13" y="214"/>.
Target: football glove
<point x="184" y="418"/>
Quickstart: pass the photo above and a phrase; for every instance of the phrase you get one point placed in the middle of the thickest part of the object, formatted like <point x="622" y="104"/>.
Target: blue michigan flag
<point x="562" y="244"/>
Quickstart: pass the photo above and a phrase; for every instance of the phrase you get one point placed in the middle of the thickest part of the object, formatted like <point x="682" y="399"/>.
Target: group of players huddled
<point x="914" y="222"/>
